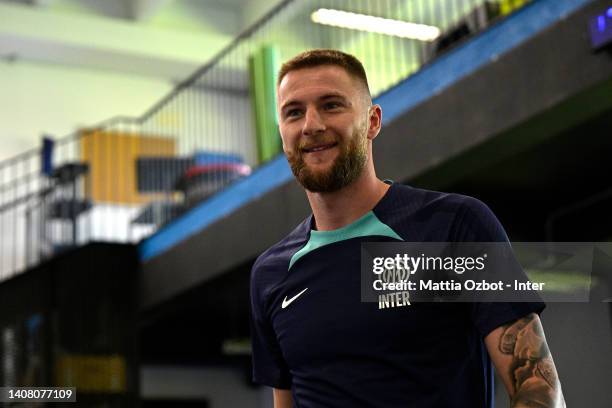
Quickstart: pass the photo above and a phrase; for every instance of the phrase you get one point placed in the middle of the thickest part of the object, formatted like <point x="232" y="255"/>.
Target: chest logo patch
<point x="287" y="302"/>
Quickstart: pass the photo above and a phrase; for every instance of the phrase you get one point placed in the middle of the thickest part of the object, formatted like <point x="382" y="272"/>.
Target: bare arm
<point x="282" y="398"/>
<point x="522" y="358"/>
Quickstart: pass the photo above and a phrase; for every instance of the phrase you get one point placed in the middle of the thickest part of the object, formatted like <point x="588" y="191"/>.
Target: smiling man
<point x="314" y="341"/>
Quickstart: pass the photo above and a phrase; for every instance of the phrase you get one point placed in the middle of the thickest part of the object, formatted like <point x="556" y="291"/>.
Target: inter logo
<point x="395" y="299"/>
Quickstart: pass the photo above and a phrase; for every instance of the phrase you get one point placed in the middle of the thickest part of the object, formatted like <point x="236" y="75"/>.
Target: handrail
<point x="130" y="189"/>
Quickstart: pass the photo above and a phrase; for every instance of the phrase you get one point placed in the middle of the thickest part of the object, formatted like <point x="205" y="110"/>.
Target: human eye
<point x="293" y="113"/>
<point x="332" y="105"/>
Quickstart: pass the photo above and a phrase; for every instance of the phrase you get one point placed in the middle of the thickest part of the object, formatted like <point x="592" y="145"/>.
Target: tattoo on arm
<point x="532" y="370"/>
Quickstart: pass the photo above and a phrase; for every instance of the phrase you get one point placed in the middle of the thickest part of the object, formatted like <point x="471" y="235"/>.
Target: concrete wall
<point x="39" y="98"/>
<point x="221" y="387"/>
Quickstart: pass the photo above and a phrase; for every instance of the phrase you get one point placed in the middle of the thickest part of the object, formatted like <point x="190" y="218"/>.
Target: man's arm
<point x="282" y="398"/>
<point x="522" y="358"/>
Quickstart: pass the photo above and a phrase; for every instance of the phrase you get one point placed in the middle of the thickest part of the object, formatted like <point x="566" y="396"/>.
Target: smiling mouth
<point x="319" y="148"/>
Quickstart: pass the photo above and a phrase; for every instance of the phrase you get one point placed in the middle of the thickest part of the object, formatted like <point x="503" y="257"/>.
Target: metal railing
<point x="121" y="180"/>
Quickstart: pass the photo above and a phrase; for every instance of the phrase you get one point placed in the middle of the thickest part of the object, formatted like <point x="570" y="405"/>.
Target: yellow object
<point x="508" y="6"/>
<point x="112" y="159"/>
<point x="98" y="374"/>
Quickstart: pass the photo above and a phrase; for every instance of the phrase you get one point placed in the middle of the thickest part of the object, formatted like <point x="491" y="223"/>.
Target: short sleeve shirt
<point x="312" y="334"/>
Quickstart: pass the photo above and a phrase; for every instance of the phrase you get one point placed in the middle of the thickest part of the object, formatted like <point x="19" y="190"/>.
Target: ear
<point x="374" y="121"/>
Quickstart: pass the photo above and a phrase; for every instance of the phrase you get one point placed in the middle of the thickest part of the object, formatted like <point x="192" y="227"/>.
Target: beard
<point x="345" y="169"/>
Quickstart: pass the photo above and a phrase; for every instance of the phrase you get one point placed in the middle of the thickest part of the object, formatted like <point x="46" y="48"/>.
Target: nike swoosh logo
<point x="287" y="302"/>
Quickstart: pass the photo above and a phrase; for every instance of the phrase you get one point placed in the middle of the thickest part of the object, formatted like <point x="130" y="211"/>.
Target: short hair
<point x="319" y="57"/>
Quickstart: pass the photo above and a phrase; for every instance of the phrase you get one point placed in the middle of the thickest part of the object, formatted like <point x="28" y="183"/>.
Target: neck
<point x="335" y="210"/>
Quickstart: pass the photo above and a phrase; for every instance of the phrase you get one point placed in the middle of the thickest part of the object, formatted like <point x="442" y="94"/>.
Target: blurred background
<point x="141" y="171"/>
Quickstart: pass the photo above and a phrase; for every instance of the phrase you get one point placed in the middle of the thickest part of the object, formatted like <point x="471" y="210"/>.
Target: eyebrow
<point x="330" y="95"/>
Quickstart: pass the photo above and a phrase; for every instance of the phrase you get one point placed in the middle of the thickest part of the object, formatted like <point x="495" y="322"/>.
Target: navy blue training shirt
<point x="312" y="334"/>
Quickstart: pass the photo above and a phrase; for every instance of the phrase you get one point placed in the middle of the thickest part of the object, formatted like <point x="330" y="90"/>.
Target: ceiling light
<point x="363" y="22"/>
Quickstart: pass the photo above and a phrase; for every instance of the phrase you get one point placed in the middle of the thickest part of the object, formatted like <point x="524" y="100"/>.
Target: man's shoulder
<point x="410" y="198"/>
<point x="279" y="255"/>
<point x="421" y="214"/>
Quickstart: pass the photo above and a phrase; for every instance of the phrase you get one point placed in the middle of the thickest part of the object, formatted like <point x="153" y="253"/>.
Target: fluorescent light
<point x="363" y="22"/>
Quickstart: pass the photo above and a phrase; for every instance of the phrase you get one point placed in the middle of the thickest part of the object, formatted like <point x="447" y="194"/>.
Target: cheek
<point x="284" y="133"/>
<point x="349" y="126"/>
<point x="287" y="140"/>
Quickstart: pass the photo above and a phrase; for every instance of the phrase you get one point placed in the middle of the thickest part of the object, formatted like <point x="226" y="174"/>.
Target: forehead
<point x="315" y="81"/>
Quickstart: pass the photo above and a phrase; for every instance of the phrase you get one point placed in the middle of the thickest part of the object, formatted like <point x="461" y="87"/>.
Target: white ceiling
<point x="168" y="39"/>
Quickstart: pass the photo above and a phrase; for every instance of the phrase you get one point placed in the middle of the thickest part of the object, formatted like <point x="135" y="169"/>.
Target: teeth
<point x="319" y="148"/>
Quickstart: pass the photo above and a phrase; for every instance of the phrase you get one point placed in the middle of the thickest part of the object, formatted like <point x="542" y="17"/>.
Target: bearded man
<point x="314" y="341"/>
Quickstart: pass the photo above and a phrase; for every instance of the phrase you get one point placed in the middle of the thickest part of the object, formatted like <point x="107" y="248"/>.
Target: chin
<point x="320" y="169"/>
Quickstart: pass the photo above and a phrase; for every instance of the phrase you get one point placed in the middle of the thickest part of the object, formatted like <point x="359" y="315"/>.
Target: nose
<point x="313" y="123"/>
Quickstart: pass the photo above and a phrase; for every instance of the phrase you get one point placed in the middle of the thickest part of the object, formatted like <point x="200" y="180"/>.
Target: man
<point x="314" y="341"/>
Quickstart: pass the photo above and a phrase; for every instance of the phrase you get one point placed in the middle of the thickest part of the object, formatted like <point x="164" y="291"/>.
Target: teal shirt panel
<point x="368" y="225"/>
